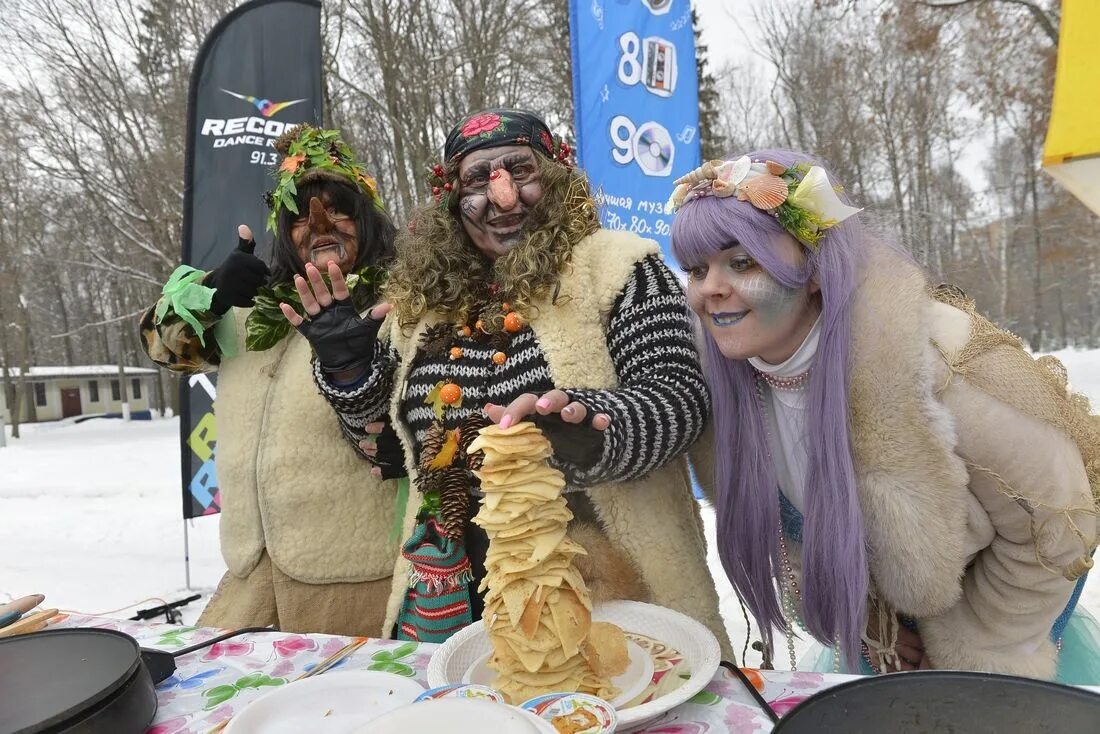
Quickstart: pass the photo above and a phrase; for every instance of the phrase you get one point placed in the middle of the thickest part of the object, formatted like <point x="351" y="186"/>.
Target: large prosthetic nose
<point x="318" y="217"/>
<point x="502" y="190"/>
<point x="326" y="244"/>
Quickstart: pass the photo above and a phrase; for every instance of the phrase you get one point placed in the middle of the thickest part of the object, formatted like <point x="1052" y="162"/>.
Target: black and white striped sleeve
<point x="365" y="401"/>
<point x="662" y="402"/>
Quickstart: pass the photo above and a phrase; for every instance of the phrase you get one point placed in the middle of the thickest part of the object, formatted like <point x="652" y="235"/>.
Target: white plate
<point x="349" y="698"/>
<point x="633" y="681"/>
<point x="458" y="716"/>
<point x="694" y="641"/>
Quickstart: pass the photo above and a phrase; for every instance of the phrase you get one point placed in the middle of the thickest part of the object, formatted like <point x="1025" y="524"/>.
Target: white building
<point x="61" y="392"/>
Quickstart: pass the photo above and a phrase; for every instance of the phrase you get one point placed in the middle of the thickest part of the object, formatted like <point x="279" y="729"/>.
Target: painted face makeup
<point x="497" y="189"/>
<point x="770" y="299"/>
<point x="747" y="311"/>
<point x="325" y="235"/>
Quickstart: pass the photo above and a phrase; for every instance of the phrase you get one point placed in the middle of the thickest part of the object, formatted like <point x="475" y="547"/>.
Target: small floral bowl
<point x="461" y="690"/>
<point x="575" y="713"/>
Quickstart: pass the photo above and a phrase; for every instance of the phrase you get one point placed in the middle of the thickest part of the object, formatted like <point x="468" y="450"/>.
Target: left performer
<point x="306" y="523"/>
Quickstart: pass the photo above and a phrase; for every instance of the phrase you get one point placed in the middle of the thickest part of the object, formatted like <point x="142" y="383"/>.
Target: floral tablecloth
<point x="212" y="684"/>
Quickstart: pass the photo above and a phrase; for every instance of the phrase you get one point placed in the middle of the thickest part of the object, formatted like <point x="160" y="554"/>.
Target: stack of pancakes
<point x="538" y="612"/>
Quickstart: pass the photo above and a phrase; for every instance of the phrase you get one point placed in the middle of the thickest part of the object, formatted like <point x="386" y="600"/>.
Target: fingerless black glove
<point x="237" y="280"/>
<point x="578" y="444"/>
<point x="342" y="339"/>
<point x="390" y="457"/>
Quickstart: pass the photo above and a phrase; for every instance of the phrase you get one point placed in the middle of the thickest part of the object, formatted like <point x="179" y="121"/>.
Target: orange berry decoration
<point x="456" y="352"/>
<point x="465" y="331"/>
<point x="450" y="393"/>
<point x="513" y="322"/>
<point x="499" y="358"/>
<point x="480" y="325"/>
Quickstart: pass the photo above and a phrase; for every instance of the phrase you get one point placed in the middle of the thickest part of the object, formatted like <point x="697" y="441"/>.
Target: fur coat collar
<point x="912" y="486"/>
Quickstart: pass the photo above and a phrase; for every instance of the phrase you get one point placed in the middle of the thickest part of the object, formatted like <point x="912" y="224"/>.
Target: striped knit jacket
<point x="616" y="338"/>
<point x="657" y="411"/>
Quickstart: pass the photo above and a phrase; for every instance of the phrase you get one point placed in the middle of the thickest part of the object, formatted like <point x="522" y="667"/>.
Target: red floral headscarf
<point x="490" y="128"/>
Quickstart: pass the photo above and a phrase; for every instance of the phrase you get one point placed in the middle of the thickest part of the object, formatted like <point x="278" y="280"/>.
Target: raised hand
<point x="344" y="341"/>
<point x="576" y="439"/>
<point x="239" y="277"/>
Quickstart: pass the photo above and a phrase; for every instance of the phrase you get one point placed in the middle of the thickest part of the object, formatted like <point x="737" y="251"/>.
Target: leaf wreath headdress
<point x="310" y="154"/>
<point x="800" y="197"/>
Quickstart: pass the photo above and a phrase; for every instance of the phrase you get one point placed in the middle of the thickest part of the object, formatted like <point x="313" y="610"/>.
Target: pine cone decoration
<point x="454" y="501"/>
<point x="282" y="143"/>
<point x="499" y="340"/>
<point x="428" y="481"/>
<point x="436" y="339"/>
<point x="468" y="431"/>
<point x="430" y="447"/>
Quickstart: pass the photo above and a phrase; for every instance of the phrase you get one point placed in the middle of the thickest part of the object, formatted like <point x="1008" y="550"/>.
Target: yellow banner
<point x="1073" y="137"/>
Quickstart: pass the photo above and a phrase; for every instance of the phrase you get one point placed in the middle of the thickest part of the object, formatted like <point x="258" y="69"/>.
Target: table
<point x="212" y="684"/>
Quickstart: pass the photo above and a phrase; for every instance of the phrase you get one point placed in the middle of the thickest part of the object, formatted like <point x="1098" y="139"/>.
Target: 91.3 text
<point x="263" y="158"/>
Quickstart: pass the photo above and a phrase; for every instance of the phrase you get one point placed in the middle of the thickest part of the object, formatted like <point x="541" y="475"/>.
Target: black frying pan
<point x="78" y="681"/>
<point x="947" y="701"/>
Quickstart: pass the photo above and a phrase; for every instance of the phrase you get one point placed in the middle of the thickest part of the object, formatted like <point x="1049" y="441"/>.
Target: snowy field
<point x="90" y="516"/>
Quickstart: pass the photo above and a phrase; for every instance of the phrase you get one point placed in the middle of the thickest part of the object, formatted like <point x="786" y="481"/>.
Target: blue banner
<point x="636" y="97"/>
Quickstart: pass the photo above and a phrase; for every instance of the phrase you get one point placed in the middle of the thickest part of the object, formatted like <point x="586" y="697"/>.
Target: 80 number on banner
<point x="651" y="62"/>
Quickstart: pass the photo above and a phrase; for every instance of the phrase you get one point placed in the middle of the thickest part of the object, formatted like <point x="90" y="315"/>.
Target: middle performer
<point x="510" y="301"/>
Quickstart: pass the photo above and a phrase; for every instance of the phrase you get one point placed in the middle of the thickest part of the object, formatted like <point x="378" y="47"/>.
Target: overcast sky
<point x="728" y="28"/>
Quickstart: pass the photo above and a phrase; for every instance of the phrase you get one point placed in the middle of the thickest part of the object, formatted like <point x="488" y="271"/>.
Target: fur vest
<point x="289" y="480"/>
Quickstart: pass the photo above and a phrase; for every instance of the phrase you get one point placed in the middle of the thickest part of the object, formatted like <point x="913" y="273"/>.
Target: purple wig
<point x="834" y="560"/>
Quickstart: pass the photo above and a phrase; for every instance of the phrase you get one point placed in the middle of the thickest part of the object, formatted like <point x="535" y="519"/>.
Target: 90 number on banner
<point x="649" y="145"/>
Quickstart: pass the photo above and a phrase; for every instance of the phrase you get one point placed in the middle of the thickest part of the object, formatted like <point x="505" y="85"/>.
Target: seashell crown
<point x="800" y="197"/>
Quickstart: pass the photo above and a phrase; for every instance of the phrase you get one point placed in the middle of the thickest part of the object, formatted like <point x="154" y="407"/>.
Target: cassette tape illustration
<point x="659" y="59"/>
<point x="653" y="149"/>
<point x="658" y="7"/>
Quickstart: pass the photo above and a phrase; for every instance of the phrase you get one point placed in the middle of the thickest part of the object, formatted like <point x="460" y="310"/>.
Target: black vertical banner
<point x="257" y="73"/>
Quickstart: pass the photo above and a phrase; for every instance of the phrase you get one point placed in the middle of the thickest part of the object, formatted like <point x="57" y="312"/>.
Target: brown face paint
<point x="325" y="236"/>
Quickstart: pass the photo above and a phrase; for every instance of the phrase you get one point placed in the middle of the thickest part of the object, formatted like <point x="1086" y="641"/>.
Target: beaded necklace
<point x="791" y="595"/>
<point x="795" y="383"/>
<point x="445" y="479"/>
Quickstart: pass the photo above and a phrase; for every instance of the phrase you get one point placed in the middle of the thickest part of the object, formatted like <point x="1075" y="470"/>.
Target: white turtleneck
<point x="786" y="412"/>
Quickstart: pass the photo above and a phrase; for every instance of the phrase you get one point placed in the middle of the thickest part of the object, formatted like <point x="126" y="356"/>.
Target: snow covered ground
<point x="90" y="516"/>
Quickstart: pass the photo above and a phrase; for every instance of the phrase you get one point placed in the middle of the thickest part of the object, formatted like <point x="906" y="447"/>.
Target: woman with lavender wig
<point x="894" y="474"/>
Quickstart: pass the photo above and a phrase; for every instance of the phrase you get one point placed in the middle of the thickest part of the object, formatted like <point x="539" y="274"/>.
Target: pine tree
<point x="713" y="143"/>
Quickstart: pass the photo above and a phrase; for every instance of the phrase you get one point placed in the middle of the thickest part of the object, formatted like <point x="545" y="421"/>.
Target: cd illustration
<point x="658" y="7"/>
<point x="653" y="149"/>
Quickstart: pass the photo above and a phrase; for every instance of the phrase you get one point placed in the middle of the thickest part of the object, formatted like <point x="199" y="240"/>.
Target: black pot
<point x="78" y="681"/>
<point x="946" y="701"/>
